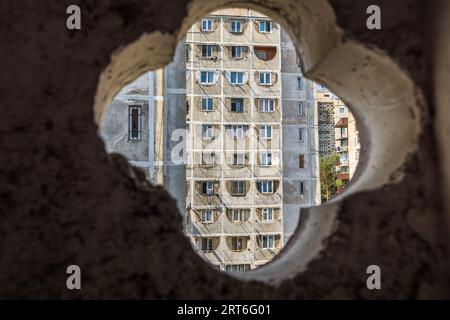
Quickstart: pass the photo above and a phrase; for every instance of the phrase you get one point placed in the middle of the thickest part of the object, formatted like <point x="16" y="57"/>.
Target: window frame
<point x="268" y="27"/>
<point x="209" y="214"/>
<point x="236" y="156"/>
<point x="239" y="22"/>
<point x="299" y="83"/>
<point x="234" y="51"/>
<point x="263" y="129"/>
<point x="301" y="134"/>
<point x="241" y="104"/>
<point x="237" y="244"/>
<point x="213" y="157"/>
<point x="266" y="105"/>
<point x="300" y="108"/>
<point x="237" y="74"/>
<point x="134" y="123"/>
<point x="207" y="54"/>
<point x="266" y="155"/>
<point x="208" y="190"/>
<point x="265" y="74"/>
<point x="239" y="188"/>
<point x="265" y="214"/>
<point x="209" y="244"/>
<point x="209" y="104"/>
<point x="301" y="188"/>
<point x="301" y="161"/>
<point x="269" y="187"/>
<point x="239" y="213"/>
<point x="209" y="24"/>
<point x="207" y="133"/>
<point x="265" y="243"/>
<point x="207" y="81"/>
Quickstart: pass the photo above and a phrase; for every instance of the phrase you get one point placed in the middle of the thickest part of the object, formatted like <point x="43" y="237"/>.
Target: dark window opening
<point x="134" y="124"/>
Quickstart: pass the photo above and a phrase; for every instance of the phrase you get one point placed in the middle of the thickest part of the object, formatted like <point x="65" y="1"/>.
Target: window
<point x="237" y="267"/>
<point x="238" y="188"/>
<point x="208" y="188"/>
<point x="206" y="25"/>
<point x="268" y="241"/>
<point x="265" y="26"/>
<point x="236" y="77"/>
<point x="207" y="104"/>
<point x="206" y="77"/>
<point x="267" y="214"/>
<point x="236" y="26"/>
<point x="237" y="215"/>
<point x="341" y="110"/>
<point x="265" y="78"/>
<point x="207" y="51"/>
<point x="265" y="53"/>
<point x="134" y="123"/>
<point x="207" y="131"/>
<point x="237" y="243"/>
<point x="208" y="158"/>
<point x="237" y="105"/>
<point x="265" y="186"/>
<point x="301" y="188"/>
<point x="299" y="83"/>
<point x="300" y="134"/>
<point x="207" y="216"/>
<point x="188" y="53"/>
<point x="266" y="132"/>
<point x="301" y="161"/>
<point x="207" y="244"/>
<point x="266" y="159"/>
<point x="238" y="159"/>
<point x="266" y="105"/>
<point x="300" y="108"/>
<point x="237" y="131"/>
<point x="236" y="52"/>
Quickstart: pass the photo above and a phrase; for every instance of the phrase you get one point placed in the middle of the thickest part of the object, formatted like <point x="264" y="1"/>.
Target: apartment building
<point x="251" y="139"/>
<point x="338" y="133"/>
<point x="325" y="106"/>
<point x="347" y="142"/>
<point x="145" y="123"/>
<point x="230" y="129"/>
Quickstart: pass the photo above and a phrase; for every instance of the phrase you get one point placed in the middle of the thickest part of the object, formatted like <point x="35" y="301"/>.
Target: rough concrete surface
<point x="64" y="201"/>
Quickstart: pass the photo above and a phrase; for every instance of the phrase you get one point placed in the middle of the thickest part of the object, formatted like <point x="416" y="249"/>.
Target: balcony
<point x="343" y="176"/>
<point x="342" y="123"/>
<point x="341" y="148"/>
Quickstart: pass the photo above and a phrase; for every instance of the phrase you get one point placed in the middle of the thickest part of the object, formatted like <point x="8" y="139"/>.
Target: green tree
<point x="328" y="181"/>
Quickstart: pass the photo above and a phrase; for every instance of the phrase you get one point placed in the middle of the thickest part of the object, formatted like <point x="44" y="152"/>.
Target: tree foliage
<point x="328" y="181"/>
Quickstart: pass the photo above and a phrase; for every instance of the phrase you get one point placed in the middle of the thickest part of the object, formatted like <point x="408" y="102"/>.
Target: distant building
<point x="338" y="133"/>
<point x="347" y="142"/>
<point x="325" y="106"/>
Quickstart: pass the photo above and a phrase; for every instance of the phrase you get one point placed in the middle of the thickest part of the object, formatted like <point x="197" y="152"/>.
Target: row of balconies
<point x="213" y="52"/>
<point x="238" y="244"/>
<point x="236" y="78"/>
<point x="266" y="215"/>
<point x="236" y="188"/>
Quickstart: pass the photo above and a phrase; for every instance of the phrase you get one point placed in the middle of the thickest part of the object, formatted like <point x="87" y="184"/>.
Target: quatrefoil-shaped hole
<point x="380" y="95"/>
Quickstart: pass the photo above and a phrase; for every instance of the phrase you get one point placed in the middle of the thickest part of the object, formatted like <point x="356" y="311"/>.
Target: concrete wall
<point x="292" y="95"/>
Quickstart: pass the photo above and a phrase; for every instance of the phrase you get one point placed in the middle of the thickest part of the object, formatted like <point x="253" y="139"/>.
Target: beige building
<point x="250" y="168"/>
